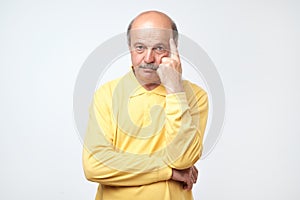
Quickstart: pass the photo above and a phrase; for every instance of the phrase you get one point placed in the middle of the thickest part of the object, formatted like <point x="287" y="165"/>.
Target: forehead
<point x="150" y="36"/>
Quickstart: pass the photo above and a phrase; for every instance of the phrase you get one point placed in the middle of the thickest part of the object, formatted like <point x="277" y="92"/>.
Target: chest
<point x="140" y="122"/>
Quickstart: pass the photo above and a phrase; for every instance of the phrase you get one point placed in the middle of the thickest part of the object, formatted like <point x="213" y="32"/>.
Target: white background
<point x="254" y="45"/>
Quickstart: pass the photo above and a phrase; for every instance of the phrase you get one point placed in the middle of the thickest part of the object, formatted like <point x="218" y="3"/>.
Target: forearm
<point x="184" y="133"/>
<point x="97" y="171"/>
<point x="106" y="165"/>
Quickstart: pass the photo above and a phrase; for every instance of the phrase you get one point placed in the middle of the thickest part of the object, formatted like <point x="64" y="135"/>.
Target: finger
<point x="193" y="179"/>
<point x="191" y="176"/>
<point x="167" y="61"/>
<point x="189" y="185"/>
<point x="195" y="173"/>
<point x="195" y="168"/>
<point x="173" y="50"/>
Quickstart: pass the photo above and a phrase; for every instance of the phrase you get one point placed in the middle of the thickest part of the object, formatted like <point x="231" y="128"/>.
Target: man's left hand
<point x="170" y="71"/>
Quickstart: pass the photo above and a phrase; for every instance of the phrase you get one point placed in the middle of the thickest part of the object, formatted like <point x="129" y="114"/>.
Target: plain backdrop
<point x="254" y="45"/>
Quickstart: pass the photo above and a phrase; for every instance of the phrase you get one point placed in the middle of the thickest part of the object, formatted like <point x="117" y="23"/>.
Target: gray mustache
<point x="149" y="66"/>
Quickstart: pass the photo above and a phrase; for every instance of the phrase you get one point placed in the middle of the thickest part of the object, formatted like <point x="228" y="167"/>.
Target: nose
<point x="149" y="57"/>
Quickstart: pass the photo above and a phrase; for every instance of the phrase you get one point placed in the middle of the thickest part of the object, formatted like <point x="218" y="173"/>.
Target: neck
<point x="150" y="86"/>
<point x="147" y="86"/>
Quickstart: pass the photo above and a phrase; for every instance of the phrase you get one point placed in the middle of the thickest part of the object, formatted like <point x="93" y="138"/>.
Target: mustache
<point x="149" y="66"/>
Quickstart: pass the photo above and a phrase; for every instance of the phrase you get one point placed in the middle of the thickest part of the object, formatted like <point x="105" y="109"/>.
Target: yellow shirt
<point x="135" y="137"/>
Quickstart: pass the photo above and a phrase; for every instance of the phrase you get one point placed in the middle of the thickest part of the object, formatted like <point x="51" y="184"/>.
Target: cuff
<point x="176" y="103"/>
<point x="165" y="173"/>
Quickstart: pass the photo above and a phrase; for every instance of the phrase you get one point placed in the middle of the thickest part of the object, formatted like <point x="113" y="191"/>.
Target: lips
<point x="149" y="66"/>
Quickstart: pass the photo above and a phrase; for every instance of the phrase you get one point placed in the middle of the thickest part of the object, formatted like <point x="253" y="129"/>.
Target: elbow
<point x="188" y="158"/>
<point x="89" y="172"/>
<point x="94" y="173"/>
<point x="91" y="167"/>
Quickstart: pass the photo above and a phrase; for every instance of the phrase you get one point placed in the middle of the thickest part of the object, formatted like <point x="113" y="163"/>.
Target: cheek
<point x="160" y="56"/>
<point x="136" y="58"/>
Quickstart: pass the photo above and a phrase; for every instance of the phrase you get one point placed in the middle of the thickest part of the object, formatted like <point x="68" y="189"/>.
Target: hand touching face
<point x="148" y="47"/>
<point x="170" y="71"/>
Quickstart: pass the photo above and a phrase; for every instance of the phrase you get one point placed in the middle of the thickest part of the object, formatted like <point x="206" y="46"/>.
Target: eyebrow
<point x="160" y="44"/>
<point x="136" y="43"/>
<point x="155" y="45"/>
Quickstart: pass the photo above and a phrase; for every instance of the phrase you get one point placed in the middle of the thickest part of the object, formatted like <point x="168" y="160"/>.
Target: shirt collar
<point x="140" y="90"/>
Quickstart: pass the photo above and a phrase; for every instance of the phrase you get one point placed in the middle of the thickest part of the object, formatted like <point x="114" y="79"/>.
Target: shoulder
<point x="107" y="89"/>
<point x="192" y="90"/>
<point x="196" y="96"/>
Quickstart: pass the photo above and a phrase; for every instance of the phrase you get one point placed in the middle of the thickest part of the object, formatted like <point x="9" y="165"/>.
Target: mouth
<point x="149" y="66"/>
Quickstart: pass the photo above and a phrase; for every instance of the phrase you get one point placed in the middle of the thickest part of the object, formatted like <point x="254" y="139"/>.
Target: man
<point x="146" y="128"/>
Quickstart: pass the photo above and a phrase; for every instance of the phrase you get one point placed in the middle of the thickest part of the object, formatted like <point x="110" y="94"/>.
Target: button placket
<point x="147" y="108"/>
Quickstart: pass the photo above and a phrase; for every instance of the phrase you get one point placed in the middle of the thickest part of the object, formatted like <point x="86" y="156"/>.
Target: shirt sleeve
<point x="186" y="115"/>
<point x="104" y="164"/>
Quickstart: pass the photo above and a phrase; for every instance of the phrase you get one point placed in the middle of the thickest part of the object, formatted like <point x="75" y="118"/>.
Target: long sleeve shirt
<point x="135" y="137"/>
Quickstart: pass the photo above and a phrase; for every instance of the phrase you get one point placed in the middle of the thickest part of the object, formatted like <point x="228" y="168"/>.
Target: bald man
<point x="146" y="128"/>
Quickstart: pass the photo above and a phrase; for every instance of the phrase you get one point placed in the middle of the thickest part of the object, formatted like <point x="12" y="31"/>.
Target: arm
<point x="104" y="164"/>
<point x="186" y="114"/>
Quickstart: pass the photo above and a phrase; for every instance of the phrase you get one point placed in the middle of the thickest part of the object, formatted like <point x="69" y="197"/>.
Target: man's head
<point x="149" y="37"/>
<point x="155" y="15"/>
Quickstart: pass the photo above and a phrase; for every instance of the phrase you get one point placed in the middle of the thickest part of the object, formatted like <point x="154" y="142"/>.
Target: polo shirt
<point x="135" y="137"/>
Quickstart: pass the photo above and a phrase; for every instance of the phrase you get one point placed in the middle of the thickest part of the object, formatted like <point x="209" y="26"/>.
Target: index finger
<point x="173" y="50"/>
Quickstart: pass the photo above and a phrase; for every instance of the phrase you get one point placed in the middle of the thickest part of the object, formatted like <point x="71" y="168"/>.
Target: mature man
<point x="146" y="128"/>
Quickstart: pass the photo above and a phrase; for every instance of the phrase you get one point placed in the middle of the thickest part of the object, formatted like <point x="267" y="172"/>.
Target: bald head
<point x="152" y="19"/>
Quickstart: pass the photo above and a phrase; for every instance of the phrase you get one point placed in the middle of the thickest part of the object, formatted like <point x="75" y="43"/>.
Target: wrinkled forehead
<point x="150" y="36"/>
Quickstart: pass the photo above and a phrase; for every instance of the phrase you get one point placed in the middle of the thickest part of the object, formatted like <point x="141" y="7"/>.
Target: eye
<point x="160" y="49"/>
<point x="139" y="48"/>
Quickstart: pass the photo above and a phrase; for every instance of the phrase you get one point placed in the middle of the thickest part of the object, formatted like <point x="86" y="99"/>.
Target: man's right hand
<point x="187" y="177"/>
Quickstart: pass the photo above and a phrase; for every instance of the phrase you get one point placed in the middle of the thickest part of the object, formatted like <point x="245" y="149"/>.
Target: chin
<point x="147" y="76"/>
<point x="151" y="80"/>
<point x="150" y="75"/>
